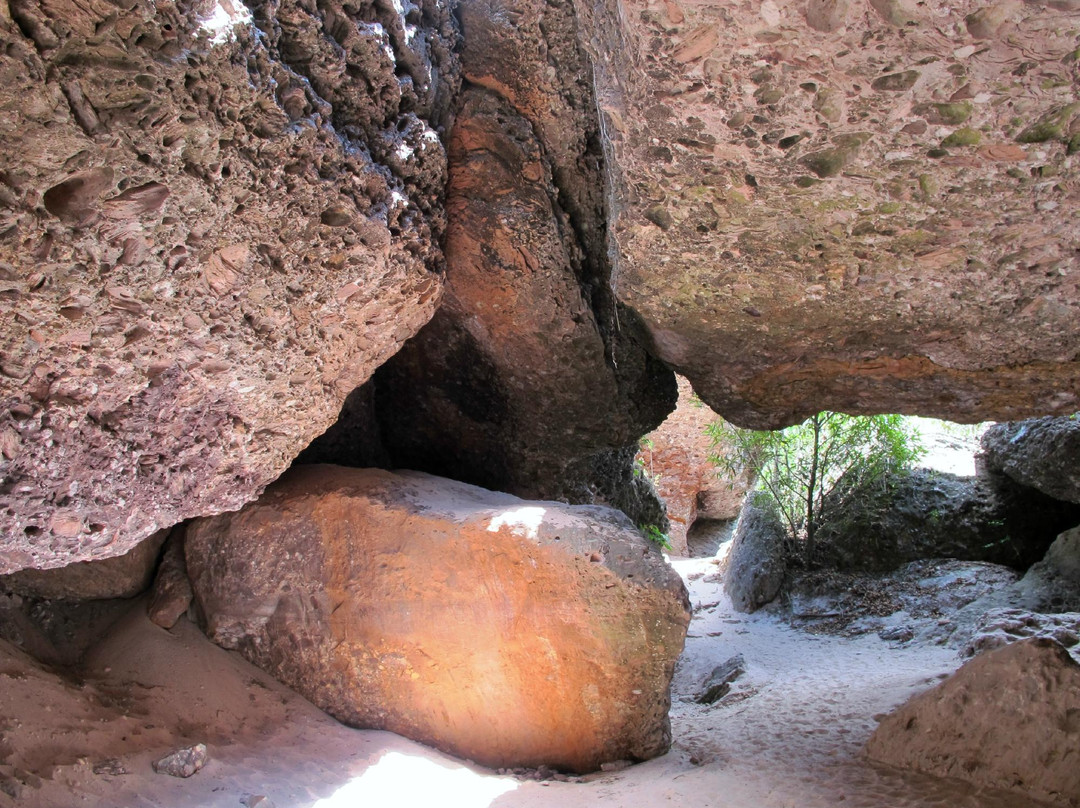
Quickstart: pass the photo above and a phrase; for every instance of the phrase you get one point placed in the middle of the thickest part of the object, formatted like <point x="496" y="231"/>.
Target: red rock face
<point x="208" y="237"/>
<point x="676" y="457"/>
<point x="511" y="380"/>
<point x="531" y="365"/>
<point x="860" y="206"/>
<point x="509" y="632"/>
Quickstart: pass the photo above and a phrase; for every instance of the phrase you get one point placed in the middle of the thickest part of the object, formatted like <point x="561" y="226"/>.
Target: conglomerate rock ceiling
<point x="217" y="220"/>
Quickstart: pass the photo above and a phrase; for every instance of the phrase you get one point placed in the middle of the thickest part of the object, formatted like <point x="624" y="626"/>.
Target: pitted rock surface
<point x="506" y="631"/>
<point x="863" y="205"/>
<point x="212" y="229"/>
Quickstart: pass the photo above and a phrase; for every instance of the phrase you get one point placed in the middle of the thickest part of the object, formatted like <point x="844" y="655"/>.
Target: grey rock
<point x="1001" y="627"/>
<point x="758" y="557"/>
<point x="183" y="762"/>
<point x="719" y="682"/>
<point x="880" y="525"/>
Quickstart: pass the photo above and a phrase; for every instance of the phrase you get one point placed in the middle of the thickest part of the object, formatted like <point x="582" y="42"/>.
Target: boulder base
<point x="1007" y="719"/>
<point x="758" y="559"/>
<point x="509" y="632"/>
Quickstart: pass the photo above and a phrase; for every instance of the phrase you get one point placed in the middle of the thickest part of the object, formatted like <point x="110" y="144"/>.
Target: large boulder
<point x="509" y="632"/>
<point x="803" y="191"/>
<point x="531" y="371"/>
<point x="880" y="524"/>
<point x="758" y="559"/>
<point x="1007" y="719"/>
<point x="210" y="233"/>
<point x="1043" y="453"/>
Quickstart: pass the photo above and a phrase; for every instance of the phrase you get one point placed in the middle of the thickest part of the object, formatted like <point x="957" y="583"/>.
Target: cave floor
<point x="789" y="733"/>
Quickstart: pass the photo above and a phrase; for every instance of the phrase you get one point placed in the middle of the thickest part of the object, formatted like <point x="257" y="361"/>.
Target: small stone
<point x="183" y="762"/>
<point x="1051" y="126"/>
<point x="111" y="766"/>
<point x="897" y="634"/>
<point x="660" y="216"/>
<point x="830" y="162"/>
<point x="258" y="801"/>
<point x="719" y="682"/>
<point x="896" y="82"/>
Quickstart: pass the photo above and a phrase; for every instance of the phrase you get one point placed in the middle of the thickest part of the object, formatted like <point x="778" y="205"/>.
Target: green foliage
<point x="797" y="467"/>
<point x="645" y="446"/>
<point x="656" y="535"/>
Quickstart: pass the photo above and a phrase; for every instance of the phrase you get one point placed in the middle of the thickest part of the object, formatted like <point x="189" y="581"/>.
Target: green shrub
<point x="796" y="467"/>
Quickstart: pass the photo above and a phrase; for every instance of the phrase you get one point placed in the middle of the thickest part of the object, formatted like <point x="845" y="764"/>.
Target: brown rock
<point x="171" y="594"/>
<point x="797" y="276"/>
<point x="1007" y="719"/>
<point x="470" y="620"/>
<point x="155" y="171"/>
<point x="531" y="375"/>
<point x="121" y="576"/>
<point x="676" y="457"/>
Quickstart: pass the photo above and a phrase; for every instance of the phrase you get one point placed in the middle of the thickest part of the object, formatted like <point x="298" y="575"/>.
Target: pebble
<point x="183" y="762"/>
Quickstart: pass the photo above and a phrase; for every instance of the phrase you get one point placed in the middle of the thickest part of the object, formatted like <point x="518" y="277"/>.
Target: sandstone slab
<point x="505" y="631"/>
<point x="1007" y="719"/>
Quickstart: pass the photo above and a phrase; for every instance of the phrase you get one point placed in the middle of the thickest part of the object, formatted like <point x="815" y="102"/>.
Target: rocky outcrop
<point x="1001" y="627"/>
<point x="1043" y="453"/>
<point x="216" y="220"/>
<point x="505" y="631"/>
<point x="1007" y="719"/>
<point x="171" y="594"/>
<point x="758" y="559"/>
<point x="121" y="576"/>
<point x="884" y="523"/>
<point x="676" y="457"/>
<point x="531" y="371"/>
<point x="802" y="193"/>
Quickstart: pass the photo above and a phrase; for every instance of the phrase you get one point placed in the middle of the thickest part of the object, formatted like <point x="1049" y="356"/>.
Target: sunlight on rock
<point x="950" y="447"/>
<point x="226" y="15"/>
<point x="400" y="779"/>
<point x="521" y="521"/>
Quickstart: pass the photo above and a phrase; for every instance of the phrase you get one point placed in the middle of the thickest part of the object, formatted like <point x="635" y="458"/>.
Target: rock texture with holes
<point x="509" y="632"/>
<point x="860" y="205"/>
<point x="215" y="223"/>
<point x="1007" y="719"/>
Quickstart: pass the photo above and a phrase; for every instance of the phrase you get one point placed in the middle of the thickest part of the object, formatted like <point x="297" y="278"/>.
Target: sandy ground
<point x="789" y="734"/>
